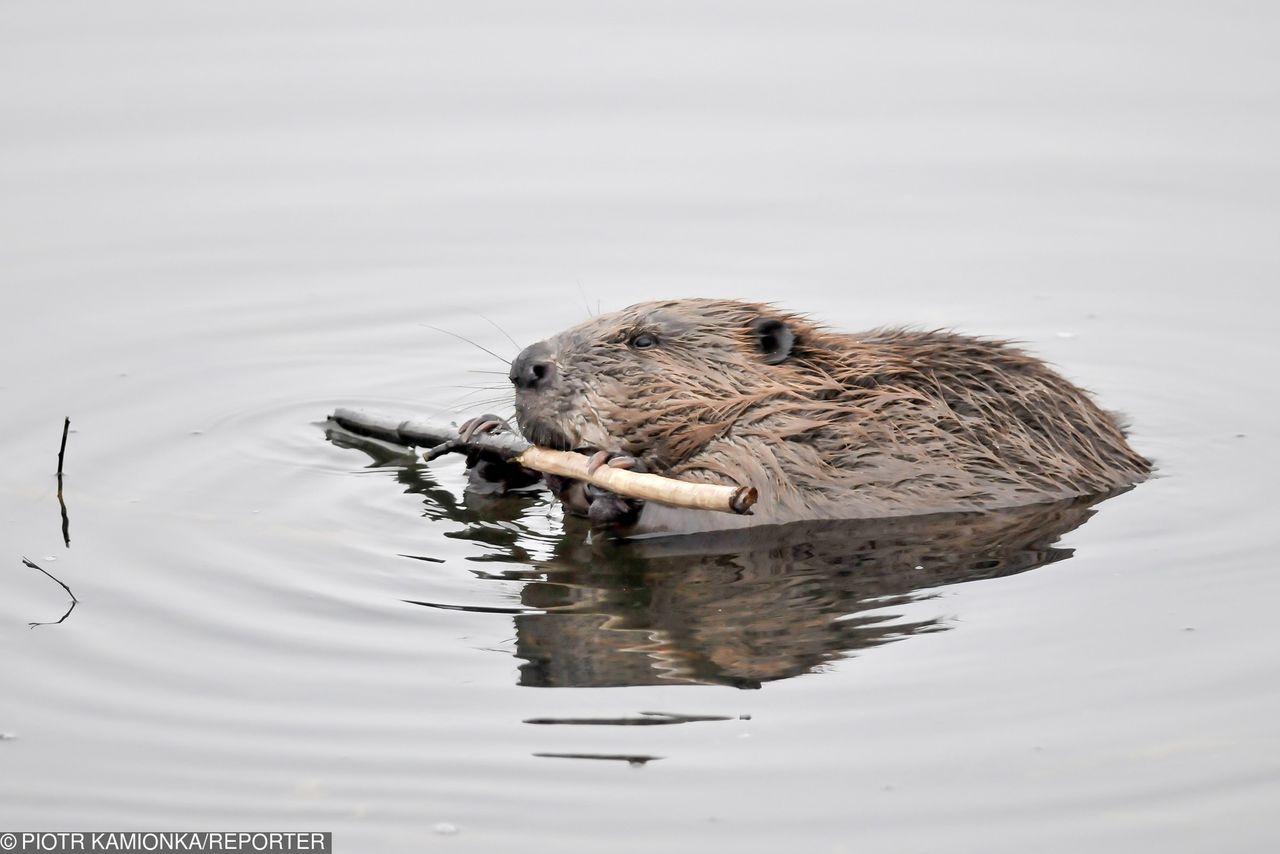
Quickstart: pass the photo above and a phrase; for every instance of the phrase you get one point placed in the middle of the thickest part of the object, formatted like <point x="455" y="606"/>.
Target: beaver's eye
<point x="644" y="340"/>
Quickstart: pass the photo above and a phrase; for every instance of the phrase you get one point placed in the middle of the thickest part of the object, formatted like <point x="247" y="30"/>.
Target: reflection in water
<point x="62" y="504"/>
<point x="645" y="719"/>
<point x="633" y="760"/>
<point x="746" y="607"/>
<point x="70" y="608"/>
<point x="494" y="522"/>
<point x="739" y="607"/>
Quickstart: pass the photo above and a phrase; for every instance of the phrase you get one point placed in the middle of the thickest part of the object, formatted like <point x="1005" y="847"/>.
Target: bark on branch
<point x="443" y="438"/>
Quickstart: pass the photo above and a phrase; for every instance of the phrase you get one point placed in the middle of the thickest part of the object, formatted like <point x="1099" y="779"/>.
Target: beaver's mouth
<point x="546" y="434"/>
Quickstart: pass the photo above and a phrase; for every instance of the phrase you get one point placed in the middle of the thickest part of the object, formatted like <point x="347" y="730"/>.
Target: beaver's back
<point x="935" y="420"/>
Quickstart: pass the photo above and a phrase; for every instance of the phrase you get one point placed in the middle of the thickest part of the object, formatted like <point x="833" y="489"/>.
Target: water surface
<point x="223" y="221"/>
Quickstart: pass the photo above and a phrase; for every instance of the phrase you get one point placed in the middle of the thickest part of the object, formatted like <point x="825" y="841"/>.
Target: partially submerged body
<point x="824" y="425"/>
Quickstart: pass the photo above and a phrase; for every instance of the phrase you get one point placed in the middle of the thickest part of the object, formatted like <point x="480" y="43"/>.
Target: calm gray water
<point x="221" y="221"/>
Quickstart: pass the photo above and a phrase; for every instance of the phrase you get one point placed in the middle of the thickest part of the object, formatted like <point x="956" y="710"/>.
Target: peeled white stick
<point x="441" y="439"/>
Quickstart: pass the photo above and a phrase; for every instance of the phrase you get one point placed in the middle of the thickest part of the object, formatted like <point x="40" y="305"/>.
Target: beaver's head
<point x="657" y="380"/>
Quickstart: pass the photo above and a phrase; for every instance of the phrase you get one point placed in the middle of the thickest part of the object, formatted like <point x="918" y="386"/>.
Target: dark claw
<point x="486" y="471"/>
<point x="621" y="461"/>
<point x="598" y="459"/>
<point x="614" y="459"/>
<point x="480" y="425"/>
<point x="606" y="509"/>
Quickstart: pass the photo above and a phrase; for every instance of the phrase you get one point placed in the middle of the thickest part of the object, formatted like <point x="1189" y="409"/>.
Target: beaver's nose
<point x="533" y="368"/>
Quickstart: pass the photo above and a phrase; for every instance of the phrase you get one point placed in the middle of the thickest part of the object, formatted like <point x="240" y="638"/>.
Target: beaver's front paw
<point x="487" y="472"/>
<point x="608" y="510"/>
<point x="482" y="424"/>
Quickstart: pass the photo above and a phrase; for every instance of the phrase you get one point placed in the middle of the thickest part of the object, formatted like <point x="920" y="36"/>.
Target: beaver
<point x="826" y="425"/>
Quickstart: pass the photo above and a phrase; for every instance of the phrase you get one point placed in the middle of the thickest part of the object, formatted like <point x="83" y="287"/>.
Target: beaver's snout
<point x="533" y="368"/>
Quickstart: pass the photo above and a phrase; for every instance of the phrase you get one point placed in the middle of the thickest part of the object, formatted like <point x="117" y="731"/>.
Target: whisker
<point x="498" y="388"/>
<point x="485" y="401"/>
<point x="476" y="395"/>
<point x="497" y="327"/>
<point x="461" y="402"/>
<point x="469" y="341"/>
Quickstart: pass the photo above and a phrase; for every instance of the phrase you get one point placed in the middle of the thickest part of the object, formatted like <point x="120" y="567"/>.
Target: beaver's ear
<point x="773" y="338"/>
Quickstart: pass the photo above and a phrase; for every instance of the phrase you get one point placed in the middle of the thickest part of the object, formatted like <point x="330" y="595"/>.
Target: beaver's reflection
<point x="735" y="608"/>
<point x="747" y="607"/>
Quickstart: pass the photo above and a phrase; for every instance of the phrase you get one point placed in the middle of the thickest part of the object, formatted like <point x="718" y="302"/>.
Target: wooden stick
<point x="650" y="487"/>
<point x="647" y="487"/>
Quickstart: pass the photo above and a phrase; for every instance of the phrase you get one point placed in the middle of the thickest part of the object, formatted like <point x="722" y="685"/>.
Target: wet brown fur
<point x="883" y="423"/>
